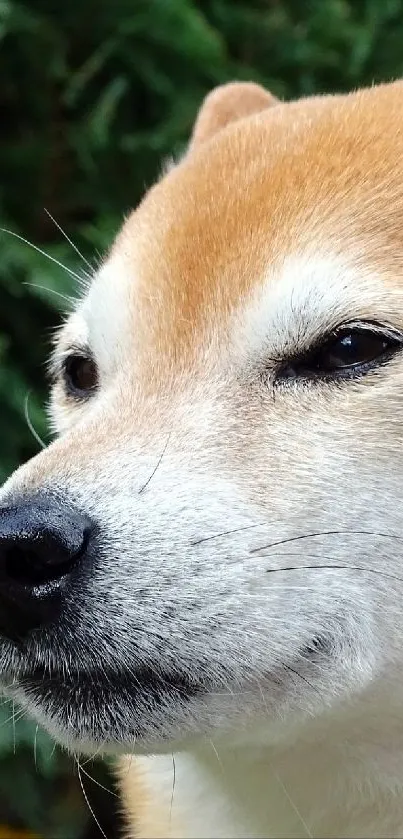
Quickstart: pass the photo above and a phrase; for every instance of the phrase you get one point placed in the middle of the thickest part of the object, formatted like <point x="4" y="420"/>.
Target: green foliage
<point x="94" y="95"/>
<point x="35" y="767"/>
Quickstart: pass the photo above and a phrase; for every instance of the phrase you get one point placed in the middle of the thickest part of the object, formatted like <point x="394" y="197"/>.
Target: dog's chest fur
<point x="329" y="787"/>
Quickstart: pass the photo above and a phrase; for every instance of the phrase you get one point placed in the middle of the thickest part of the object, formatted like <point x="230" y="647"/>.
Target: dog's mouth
<point x="79" y="687"/>
<point x="95" y="704"/>
<point x="103" y="705"/>
<point x="90" y="687"/>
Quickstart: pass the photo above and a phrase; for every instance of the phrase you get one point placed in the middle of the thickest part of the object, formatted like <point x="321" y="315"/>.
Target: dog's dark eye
<point x="350" y="349"/>
<point x="80" y="375"/>
<point x="348" y="352"/>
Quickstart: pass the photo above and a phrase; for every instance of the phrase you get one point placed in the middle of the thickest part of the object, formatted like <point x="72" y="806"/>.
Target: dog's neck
<point x="334" y="781"/>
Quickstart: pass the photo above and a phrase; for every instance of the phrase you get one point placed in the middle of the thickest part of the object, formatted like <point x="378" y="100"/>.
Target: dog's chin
<point x="144" y="713"/>
<point x="89" y="711"/>
<point x="144" y="710"/>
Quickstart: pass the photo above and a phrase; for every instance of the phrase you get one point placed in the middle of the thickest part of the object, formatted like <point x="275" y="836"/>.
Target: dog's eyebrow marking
<point x="306" y="297"/>
<point x="105" y="314"/>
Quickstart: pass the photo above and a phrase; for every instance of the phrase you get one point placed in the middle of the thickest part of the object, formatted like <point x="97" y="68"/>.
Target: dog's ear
<point x="226" y="104"/>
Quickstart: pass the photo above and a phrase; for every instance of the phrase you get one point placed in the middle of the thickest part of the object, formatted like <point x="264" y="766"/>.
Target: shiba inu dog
<point x="204" y="570"/>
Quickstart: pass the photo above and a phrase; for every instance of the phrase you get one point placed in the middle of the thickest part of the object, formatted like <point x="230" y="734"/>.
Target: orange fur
<point x="289" y="178"/>
<point x="226" y="104"/>
<point x="147" y="816"/>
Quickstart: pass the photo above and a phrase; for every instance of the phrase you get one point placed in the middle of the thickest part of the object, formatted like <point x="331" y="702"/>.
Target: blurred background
<point x="94" y="95"/>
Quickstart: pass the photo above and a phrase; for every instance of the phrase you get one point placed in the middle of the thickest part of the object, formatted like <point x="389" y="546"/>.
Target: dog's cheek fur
<point x="167" y="591"/>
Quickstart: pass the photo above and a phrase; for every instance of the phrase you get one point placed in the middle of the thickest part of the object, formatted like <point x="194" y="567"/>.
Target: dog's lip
<point x="87" y="709"/>
<point x="86" y="683"/>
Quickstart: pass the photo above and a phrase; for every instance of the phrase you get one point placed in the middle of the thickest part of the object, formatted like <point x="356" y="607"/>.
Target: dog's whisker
<point x="219" y="761"/>
<point x="94" y="781"/>
<point x="14" y="718"/>
<point x="35" y="748"/>
<point x="226" y="533"/>
<point x="287" y="541"/>
<point x="293" y="805"/>
<point x="87" y="799"/>
<point x="173" y="787"/>
<point x="29" y="423"/>
<point x="262" y="695"/>
<point x="75" y="248"/>
<point x="331" y="567"/>
<point x="43" y="253"/>
<point x="130" y="764"/>
<point x="149" y="479"/>
<point x="72" y="301"/>
<point x="14" y="738"/>
<point x="95" y="754"/>
<point x="300" y="676"/>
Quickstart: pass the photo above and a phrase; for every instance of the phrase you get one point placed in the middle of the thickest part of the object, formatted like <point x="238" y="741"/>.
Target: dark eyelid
<point x="384" y="330"/>
<point x="301" y="361"/>
<point x="304" y="347"/>
<point x="387" y="331"/>
<point x="391" y="333"/>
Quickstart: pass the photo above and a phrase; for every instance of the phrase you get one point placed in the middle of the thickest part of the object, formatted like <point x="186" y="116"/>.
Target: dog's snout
<point x="41" y="543"/>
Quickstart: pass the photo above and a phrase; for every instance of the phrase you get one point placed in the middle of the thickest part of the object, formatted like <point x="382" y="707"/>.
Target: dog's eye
<point x="350" y="349"/>
<point x="80" y="375"/>
<point x="348" y="352"/>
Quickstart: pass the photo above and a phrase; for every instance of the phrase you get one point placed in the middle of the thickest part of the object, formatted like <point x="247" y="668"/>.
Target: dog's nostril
<point x="41" y="543"/>
<point x="23" y="567"/>
<point x="32" y="567"/>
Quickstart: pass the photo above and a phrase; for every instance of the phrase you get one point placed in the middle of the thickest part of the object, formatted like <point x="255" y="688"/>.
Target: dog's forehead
<point x="322" y="176"/>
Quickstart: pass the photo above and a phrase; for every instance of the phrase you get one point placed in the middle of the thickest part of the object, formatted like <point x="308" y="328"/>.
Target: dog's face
<point x="228" y="408"/>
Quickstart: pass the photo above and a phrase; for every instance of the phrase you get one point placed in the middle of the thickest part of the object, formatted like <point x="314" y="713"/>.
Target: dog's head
<point x="214" y="539"/>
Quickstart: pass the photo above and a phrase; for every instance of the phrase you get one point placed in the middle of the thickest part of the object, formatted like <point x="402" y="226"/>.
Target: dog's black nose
<point x="41" y="542"/>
